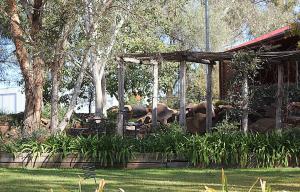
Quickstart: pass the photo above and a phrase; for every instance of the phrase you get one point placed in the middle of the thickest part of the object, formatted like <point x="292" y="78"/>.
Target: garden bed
<point x="46" y="160"/>
<point x="165" y="149"/>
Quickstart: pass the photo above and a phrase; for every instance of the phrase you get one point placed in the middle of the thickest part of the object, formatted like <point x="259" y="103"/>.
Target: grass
<point x="28" y="180"/>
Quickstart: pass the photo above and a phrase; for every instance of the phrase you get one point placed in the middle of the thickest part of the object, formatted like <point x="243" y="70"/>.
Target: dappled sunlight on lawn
<point x="27" y="180"/>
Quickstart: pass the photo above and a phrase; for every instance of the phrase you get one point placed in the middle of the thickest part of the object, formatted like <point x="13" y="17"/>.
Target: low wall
<point x="140" y="160"/>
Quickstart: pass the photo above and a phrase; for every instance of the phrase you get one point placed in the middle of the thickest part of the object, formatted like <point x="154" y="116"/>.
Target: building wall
<point x="266" y="76"/>
<point x="12" y="100"/>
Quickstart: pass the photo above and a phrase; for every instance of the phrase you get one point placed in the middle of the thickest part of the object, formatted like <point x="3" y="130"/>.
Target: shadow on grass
<point x="146" y="179"/>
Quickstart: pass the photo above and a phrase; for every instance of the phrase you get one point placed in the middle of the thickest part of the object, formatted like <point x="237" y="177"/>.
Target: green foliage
<point x="233" y="149"/>
<point x="237" y="149"/>
<point x="226" y="126"/>
<point x="245" y="63"/>
<point x="46" y="112"/>
<point x="107" y="150"/>
<point x="264" y="95"/>
<point x="168" y="141"/>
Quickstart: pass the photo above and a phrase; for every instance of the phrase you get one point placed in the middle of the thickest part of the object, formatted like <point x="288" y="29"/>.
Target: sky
<point x="10" y="71"/>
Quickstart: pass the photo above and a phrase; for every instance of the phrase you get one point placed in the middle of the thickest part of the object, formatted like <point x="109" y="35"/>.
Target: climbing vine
<point x="244" y="65"/>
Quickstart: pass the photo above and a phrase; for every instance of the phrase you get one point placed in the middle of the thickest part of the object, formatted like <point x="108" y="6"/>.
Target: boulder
<point x="263" y="125"/>
<point x="196" y="123"/>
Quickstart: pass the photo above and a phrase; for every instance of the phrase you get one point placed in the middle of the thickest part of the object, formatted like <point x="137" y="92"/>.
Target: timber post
<point x="155" y="93"/>
<point x="245" y="96"/>
<point x="209" y="98"/>
<point x="182" y="81"/>
<point x="279" y="97"/>
<point x="297" y="74"/>
<point x="121" y="81"/>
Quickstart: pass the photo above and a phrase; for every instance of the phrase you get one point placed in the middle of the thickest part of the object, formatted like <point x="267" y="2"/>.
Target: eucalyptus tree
<point x="26" y="29"/>
<point x="62" y="19"/>
<point x="40" y="30"/>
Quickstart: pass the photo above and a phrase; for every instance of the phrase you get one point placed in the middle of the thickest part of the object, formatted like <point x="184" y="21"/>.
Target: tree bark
<point x="55" y="80"/>
<point x="91" y="98"/>
<point x="100" y="92"/>
<point x="245" y="96"/>
<point x="33" y="74"/>
<point x="155" y="94"/>
<point x="99" y="97"/>
<point x="182" y="77"/>
<point x="98" y="76"/>
<point x="100" y="59"/>
<point x="34" y="98"/>
<point x="59" y="59"/>
<point x="63" y="124"/>
<point x="297" y="74"/>
<point x="209" y="99"/>
<point x="120" y="120"/>
<point x="279" y="97"/>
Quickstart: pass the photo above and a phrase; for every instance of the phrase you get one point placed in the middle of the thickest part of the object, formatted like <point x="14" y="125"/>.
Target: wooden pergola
<point x="206" y="58"/>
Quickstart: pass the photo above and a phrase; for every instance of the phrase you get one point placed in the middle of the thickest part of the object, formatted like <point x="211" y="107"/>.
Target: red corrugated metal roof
<point x="264" y="37"/>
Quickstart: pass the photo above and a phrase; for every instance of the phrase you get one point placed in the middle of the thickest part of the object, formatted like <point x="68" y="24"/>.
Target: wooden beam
<point x="245" y="96"/>
<point x="121" y="81"/>
<point x="155" y="94"/>
<point x="209" y="98"/>
<point x="280" y="93"/>
<point x="205" y="57"/>
<point x="182" y="81"/>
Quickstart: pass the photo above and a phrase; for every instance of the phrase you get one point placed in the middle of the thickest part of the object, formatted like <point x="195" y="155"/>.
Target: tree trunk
<point x="91" y="98"/>
<point x="121" y="79"/>
<point x="245" y="92"/>
<point x="182" y="83"/>
<point x="33" y="74"/>
<point x="32" y="113"/>
<point x="54" y="98"/>
<point x="100" y="58"/>
<point x="99" y="105"/>
<point x="55" y="75"/>
<point x="100" y="92"/>
<point x="155" y="95"/>
<point x="209" y="98"/>
<point x="279" y="97"/>
<point x="34" y="98"/>
<point x="103" y="86"/>
<point x="76" y="92"/>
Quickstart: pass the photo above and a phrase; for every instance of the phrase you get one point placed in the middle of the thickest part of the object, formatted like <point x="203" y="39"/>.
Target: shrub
<point x="46" y="112"/>
<point x="218" y="149"/>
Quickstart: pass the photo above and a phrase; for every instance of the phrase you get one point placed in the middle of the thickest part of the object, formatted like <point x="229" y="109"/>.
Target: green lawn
<point x="25" y="180"/>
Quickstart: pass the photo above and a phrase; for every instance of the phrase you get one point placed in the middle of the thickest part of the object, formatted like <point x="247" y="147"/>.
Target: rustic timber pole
<point x="279" y="96"/>
<point x="182" y="80"/>
<point x="288" y="74"/>
<point x="121" y="81"/>
<point x="245" y="96"/>
<point x="155" y="93"/>
<point x="208" y="72"/>
<point x="209" y="99"/>
<point x="297" y="75"/>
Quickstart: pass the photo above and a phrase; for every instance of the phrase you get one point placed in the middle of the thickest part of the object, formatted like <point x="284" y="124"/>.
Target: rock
<point x="4" y="128"/>
<point x="196" y="123"/>
<point x="263" y="125"/>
